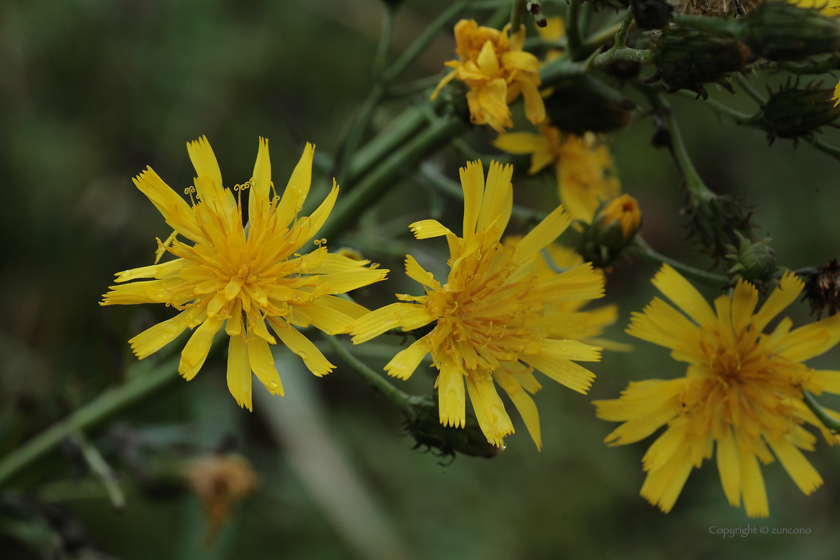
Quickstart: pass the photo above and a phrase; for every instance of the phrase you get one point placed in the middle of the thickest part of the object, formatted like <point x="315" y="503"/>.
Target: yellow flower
<point x="239" y="278"/>
<point x="836" y="97"/>
<point x="742" y="391"/>
<point x="624" y="210"/>
<point x="554" y="30"/>
<point x="496" y="70"/>
<point x="586" y="173"/>
<point x="495" y="320"/>
<point x="827" y="7"/>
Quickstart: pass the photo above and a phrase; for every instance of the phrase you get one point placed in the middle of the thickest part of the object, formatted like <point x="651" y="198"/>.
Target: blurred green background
<point x="92" y="91"/>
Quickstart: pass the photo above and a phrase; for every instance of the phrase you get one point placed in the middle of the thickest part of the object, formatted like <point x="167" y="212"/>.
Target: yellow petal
<point x="417" y="273"/>
<point x="154" y="338"/>
<point x="752" y="483"/>
<point x="172" y="207"/>
<point x="261" y="180"/>
<point x="343" y="282"/>
<point x="406" y="361"/>
<point x="534" y="105"/>
<point x="798" y="467"/>
<point x="498" y="198"/>
<point x="545" y="233"/>
<point x="520" y="143"/>
<point x="487" y="60"/>
<point x="826" y="380"/>
<point x="451" y="397"/>
<point x="446" y="79"/>
<point x="262" y="364"/>
<point x="662" y="487"/>
<point x="297" y="188"/>
<point x="684" y="295"/>
<point x="561" y="370"/>
<point x="744" y="300"/>
<point x="426" y="229"/>
<point x="523" y="403"/>
<point x="303" y="347"/>
<point x="729" y="468"/>
<point x="204" y="160"/>
<point x="239" y="372"/>
<point x="811" y="340"/>
<point x="571" y="350"/>
<point x="472" y="181"/>
<point x="198" y="346"/>
<point x="789" y="288"/>
<point x="492" y="418"/>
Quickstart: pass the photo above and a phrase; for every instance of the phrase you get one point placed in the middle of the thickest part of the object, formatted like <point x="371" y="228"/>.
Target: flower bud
<point x="797" y="113"/>
<point x="686" y="59"/>
<point x="623" y="210"/>
<point x="783" y="31"/>
<point x="447" y="440"/>
<point x="754" y="262"/>
<point x="611" y="231"/>
<point x="717" y="223"/>
<point x="584" y="104"/>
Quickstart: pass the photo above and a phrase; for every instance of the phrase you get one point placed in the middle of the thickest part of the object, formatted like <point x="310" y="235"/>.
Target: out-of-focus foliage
<point x="92" y="91"/>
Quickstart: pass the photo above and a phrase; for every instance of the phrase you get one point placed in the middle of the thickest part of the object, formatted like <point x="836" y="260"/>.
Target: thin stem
<point x="585" y="19"/>
<point x="833" y="151"/>
<point x="108" y="403"/>
<point x="381" y="60"/>
<point x="604" y="35"/>
<point x="357" y="131"/>
<point x="691" y="177"/>
<point x="639" y="248"/>
<point x="623" y="31"/>
<point x="403" y="400"/>
<point x="827" y="421"/>
<point x="713" y="26"/>
<point x="388" y="171"/>
<point x="417" y="86"/>
<point x="101" y="469"/>
<point x="420" y="44"/>
<point x="574" y="40"/>
<point x="516" y="15"/>
<point x="749" y="89"/>
<point x="721" y="108"/>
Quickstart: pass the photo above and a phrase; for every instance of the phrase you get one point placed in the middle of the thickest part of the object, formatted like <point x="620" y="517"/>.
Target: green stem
<point x="833" y="151"/>
<point x="403" y="400"/>
<point x="829" y="422"/>
<point x="721" y="108"/>
<point x="623" y="31"/>
<point x="573" y="38"/>
<point x="417" y="86"/>
<point x="101" y="469"/>
<point x="420" y="44"/>
<point x="358" y="129"/>
<point x="714" y="26"/>
<point x="516" y="15"/>
<point x="691" y="177"/>
<point x="108" y="403"/>
<point x="639" y="248"/>
<point x="381" y="61"/>
<point x="749" y="89"/>
<point x="388" y="171"/>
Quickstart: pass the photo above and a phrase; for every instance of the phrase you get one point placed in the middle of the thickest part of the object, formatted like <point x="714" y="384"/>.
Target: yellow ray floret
<point x="742" y="394"/>
<point x="236" y="279"/>
<point x="586" y="173"/>
<point x="501" y="314"/>
<point x="496" y="70"/>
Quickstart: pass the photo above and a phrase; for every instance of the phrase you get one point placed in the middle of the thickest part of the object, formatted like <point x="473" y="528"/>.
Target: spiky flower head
<point x="781" y="31"/>
<point x="495" y="320"/>
<point x="741" y="397"/>
<point x="798" y="112"/>
<point x="686" y="59"/>
<point x="496" y="70"/>
<point x="241" y="278"/>
<point x="753" y="262"/>
<point x="586" y="173"/>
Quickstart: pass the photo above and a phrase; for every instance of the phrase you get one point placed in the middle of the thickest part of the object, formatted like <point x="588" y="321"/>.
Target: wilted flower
<point x="496" y="70"/>
<point x="220" y="482"/>
<point x="239" y="278"/>
<point x="586" y="174"/>
<point x="495" y="319"/>
<point x="742" y="392"/>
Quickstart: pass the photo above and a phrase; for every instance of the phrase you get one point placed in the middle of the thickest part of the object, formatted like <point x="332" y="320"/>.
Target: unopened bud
<point x="614" y="227"/>
<point x="584" y="104"/>
<point x="717" y="223"/>
<point x="754" y="262"/>
<point x="686" y="59"/>
<point x="797" y="113"/>
<point x="427" y="431"/>
<point x="782" y="31"/>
